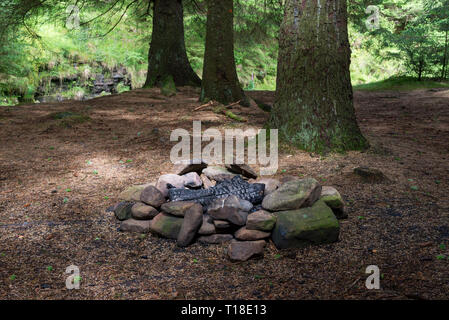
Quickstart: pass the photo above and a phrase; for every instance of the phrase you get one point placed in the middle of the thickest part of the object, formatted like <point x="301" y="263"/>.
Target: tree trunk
<point x="443" y="72"/>
<point x="167" y="56"/>
<point x="220" y="81"/>
<point x="314" y="108"/>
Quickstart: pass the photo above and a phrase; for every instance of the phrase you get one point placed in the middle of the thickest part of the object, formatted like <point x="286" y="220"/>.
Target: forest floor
<point x="58" y="175"/>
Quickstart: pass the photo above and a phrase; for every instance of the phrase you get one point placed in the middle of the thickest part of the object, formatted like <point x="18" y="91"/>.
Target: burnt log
<point x="235" y="186"/>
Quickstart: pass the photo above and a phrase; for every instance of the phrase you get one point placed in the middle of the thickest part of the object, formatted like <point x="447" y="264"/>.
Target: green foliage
<point x="402" y="84"/>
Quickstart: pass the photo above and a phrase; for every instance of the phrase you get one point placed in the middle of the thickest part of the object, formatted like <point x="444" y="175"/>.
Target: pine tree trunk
<point x="314" y="108"/>
<point x="443" y="72"/>
<point x="167" y="56"/>
<point x="220" y="81"/>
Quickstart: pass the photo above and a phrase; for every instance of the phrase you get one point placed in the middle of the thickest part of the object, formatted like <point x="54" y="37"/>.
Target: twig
<point x="210" y="103"/>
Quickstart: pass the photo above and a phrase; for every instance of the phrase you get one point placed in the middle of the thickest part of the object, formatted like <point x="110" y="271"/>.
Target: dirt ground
<point x="57" y="178"/>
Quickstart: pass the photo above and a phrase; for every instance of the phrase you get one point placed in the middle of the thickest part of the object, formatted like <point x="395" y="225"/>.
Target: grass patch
<point x="402" y="84"/>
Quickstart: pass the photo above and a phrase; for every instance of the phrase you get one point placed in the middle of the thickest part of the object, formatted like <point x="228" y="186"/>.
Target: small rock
<point x="251" y="235"/>
<point x="133" y="193"/>
<point x="123" y="210"/>
<point x="333" y="199"/>
<point x="216" y="238"/>
<point x="207" y="183"/>
<point x="243" y="169"/>
<point x="192" y="180"/>
<point x="177" y="208"/>
<point x="132" y="225"/>
<point x="245" y="250"/>
<point x="166" y="225"/>
<point x="141" y="211"/>
<point x="370" y="175"/>
<point x="306" y="226"/>
<point x="173" y="179"/>
<point x="229" y="209"/>
<point x="192" y="222"/>
<point x="293" y="195"/>
<point x="152" y="196"/>
<point x="218" y="173"/>
<point x="261" y="220"/>
<point x="221" y="224"/>
<point x="207" y="227"/>
<point x="186" y="166"/>
<point x="270" y="184"/>
<point x="245" y="205"/>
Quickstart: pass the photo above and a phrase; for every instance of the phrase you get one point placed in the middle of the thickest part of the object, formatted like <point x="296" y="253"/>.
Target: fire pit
<point x="216" y="205"/>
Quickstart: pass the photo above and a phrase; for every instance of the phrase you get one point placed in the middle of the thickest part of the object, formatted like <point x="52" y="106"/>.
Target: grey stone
<point x="218" y="173"/>
<point x="293" y="195"/>
<point x="122" y="210"/>
<point x="251" y="235"/>
<point x="192" y="180"/>
<point x="173" y="179"/>
<point x="221" y="225"/>
<point x="207" y="227"/>
<point x="370" y="175"/>
<point x="243" y="169"/>
<point x="270" y="184"/>
<point x="193" y="219"/>
<point x="245" y="250"/>
<point x="216" y="238"/>
<point x="186" y="166"/>
<point x="261" y="220"/>
<point x="166" y="225"/>
<point x="177" y="208"/>
<point x="132" y="225"/>
<point x="141" y="211"/>
<point x="229" y="209"/>
<point x="333" y="199"/>
<point x="306" y="226"/>
<point x="152" y="196"/>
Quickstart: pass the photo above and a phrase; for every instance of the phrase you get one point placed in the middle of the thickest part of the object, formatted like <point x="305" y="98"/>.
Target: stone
<point x="133" y="225"/>
<point x="192" y="180"/>
<point x="207" y="227"/>
<point x="152" y="196"/>
<point x="173" y="179"/>
<point x="218" y="173"/>
<point x="132" y="193"/>
<point x="207" y="183"/>
<point x="193" y="219"/>
<point x="250" y="235"/>
<point x="177" y="208"/>
<point x="370" y="175"/>
<point x="229" y="209"/>
<point x="243" y="169"/>
<point x="270" y="184"/>
<point x="186" y="166"/>
<point x="333" y="199"/>
<point x="215" y="238"/>
<point x="141" y="211"/>
<point x="166" y="225"/>
<point x="261" y="220"/>
<point x="293" y="195"/>
<point x="245" y="250"/>
<point x="245" y="205"/>
<point x="122" y="210"/>
<point x="307" y="226"/>
<point x="221" y="224"/>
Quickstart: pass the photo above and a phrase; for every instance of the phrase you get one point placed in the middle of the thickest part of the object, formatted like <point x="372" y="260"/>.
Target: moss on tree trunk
<point x="167" y="56"/>
<point x="220" y="81"/>
<point x="314" y="108"/>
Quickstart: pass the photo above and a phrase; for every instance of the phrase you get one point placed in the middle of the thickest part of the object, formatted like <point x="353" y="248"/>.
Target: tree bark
<point x="313" y="107"/>
<point x="220" y="81"/>
<point x="443" y="72"/>
<point x="167" y="56"/>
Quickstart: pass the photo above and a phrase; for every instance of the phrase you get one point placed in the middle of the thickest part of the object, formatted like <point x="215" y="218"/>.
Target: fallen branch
<point x="209" y="104"/>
